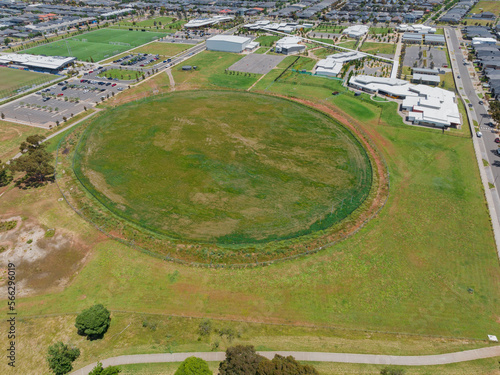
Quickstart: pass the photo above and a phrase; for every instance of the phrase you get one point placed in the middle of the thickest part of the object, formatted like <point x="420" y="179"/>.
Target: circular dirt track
<point x="224" y="173"/>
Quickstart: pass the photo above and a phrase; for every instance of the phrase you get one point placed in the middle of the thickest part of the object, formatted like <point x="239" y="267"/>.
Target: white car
<point x="479" y="134"/>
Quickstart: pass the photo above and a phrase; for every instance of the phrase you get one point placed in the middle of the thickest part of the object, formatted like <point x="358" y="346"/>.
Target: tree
<point x="60" y="357"/>
<point x="35" y="160"/>
<point x="99" y="370"/>
<point x="284" y="366"/>
<point x="193" y="366"/>
<point x="93" y="322"/>
<point x="5" y="177"/>
<point x="240" y="360"/>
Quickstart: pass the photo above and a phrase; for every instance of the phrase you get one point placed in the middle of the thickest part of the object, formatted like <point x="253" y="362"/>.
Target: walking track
<point x="423" y="360"/>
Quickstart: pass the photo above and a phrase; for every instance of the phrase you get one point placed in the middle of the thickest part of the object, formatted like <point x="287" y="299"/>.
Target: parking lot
<point x="255" y="63"/>
<point x="60" y="101"/>
<point x="435" y="54"/>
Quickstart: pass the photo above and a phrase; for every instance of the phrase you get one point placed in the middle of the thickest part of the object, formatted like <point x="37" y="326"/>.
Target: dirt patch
<point x="45" y="258"/>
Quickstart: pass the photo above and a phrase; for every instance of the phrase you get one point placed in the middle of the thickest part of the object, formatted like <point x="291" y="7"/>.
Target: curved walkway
<point x="422" y="360"/>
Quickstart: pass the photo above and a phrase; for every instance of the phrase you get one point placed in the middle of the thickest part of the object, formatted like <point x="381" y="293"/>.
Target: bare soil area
<point x="45" y="258"/>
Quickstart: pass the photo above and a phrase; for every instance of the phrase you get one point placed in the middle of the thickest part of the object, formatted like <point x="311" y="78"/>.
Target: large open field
<point x="378" y="48"/>
<point x="96" y="45"/>
<point x="211" y="72"/>
<point x="486" y="6"/>
<point x="12" y="80"/>
<point x="409" y="270"/>
<point x="271" y="187"/>
<point x="163" y="49"/>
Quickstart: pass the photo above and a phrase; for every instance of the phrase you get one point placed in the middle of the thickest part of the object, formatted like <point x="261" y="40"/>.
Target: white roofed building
<point x="356" y="31"/>
<point x="289" y="45"/>
<point x="204" y="22"/>
<point x="228" y="43"/>
<point x="426" y="105"/>
<point x="50" y="64"/>
<point x="332" y="64"/>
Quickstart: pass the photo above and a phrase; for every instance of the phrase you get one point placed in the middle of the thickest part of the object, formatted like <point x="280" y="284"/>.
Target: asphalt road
<point x="424" y="360"/>
<point x="479" y="113"/>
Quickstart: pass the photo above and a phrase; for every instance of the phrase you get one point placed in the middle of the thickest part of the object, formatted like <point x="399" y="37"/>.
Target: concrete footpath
<point x="423" y="360"/>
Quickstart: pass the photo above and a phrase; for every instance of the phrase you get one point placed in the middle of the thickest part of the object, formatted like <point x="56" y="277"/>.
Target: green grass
<point x="97" y="47"/>
<point x="486" y="6"/>
<point x="11" y="136"/>
<point x="408" y="270"/>
<point x="377" y="48"/>
<point x="253" y="206"/>
<point x="261" y="50"/>
<point x="328" y="41"/>
<point x="121" y="74"/>
<point x="150" y="22"/>
<point x="210" y="72"/>
<point x="483" y="366"/>
<point x="380" y="30"/>
<point x="167" y="24"/>
<point x="267" y="40"/>
<point x="158" y="368"/>
<point x="163" y="49"/>
<point x="135" y="333"/>
<point x="328" y="28"/>
<point x="324" y="52"/>
<point x="447" y="81"/>
<point x="12" y="80"/>
<point x="350" y="44"/>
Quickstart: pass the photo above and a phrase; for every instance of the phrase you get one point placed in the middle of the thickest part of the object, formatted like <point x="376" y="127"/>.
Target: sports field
<point x="271" y="186"/>
<point x="12" y="80"/>
<point x="426" y="265"/>
<point x="96" y="45"/>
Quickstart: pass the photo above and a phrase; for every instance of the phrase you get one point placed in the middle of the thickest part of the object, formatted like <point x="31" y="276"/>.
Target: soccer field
<point x="12" y="80"/>
<point x="96" y="45"/>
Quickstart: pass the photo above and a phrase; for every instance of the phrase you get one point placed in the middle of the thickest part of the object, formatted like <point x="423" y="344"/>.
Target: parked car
<point x="113" y="85"/>
<point x="497" y="140"/>
<point x="470" y="105"/>
<point x="479" y="134"/>
<point x="60" y="94"/>
<point x="481" y="102"/>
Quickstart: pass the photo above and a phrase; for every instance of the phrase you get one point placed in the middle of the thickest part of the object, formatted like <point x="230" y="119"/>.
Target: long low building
<point x="204" y="22"/>
<point x="332" y="64"/>
<point x="426" y="105"/>
<point x="228" y="43"/>
<point x="49" y="64"/>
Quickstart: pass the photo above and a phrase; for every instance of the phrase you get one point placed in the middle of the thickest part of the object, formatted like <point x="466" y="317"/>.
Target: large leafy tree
<point x="93" y="322"/>
<point x="35" y="160"/>
<point x="60" y="357"/>
<point x="193" y="366"/>
<point x="284" y="366"/>
<point x="240" y="360"/>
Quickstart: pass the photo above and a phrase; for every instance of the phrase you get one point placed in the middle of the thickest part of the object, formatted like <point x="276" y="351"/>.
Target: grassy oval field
<point x="223" y="167"/>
